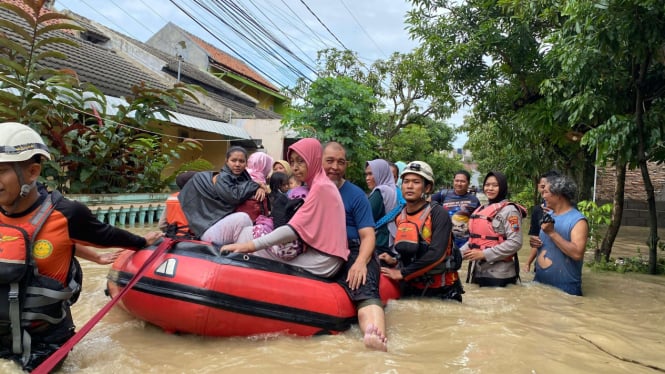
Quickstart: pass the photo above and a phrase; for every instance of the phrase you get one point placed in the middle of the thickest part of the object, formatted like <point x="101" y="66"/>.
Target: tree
<point x="339" y="109"/>
<point x="94" y="152"/>
<point x="415" y="142"/>
<point x="404" y="96"/>
<point x="491" y="57"/>
<point x="612" y="73"/>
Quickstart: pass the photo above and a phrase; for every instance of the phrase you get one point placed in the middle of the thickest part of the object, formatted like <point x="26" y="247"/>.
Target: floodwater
<point x="617" y="327"/>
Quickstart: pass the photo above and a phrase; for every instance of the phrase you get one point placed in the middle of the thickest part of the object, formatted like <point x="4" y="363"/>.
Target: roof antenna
<point x="179" y="56"/>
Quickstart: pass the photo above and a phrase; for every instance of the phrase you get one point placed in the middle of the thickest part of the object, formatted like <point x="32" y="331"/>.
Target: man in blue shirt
<point x="362" y="271"/>
<point x="459" y="203"/>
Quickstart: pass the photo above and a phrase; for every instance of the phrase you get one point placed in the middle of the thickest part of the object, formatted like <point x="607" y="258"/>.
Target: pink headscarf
<point x="259" y="165"/>
<point x="320" y="222"/>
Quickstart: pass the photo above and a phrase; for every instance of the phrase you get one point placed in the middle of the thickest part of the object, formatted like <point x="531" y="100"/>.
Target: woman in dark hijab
<point x="495" y="236"/>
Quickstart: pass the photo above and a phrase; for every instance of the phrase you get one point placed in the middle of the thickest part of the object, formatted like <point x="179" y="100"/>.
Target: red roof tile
<point x="23" y="4"/>
<point x="232" y="63"/>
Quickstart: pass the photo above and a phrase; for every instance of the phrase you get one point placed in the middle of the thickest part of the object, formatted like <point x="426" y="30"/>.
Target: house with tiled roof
<point x="114" y="63"/>
<point x="175" y="40"/>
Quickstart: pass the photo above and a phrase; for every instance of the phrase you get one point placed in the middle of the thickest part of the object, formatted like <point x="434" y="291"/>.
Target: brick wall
<point x="635" y="208"/>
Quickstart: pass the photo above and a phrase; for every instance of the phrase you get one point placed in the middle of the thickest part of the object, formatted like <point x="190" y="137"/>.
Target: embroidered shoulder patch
<point x="514" y="223"/>
<point x="42" y="249"/>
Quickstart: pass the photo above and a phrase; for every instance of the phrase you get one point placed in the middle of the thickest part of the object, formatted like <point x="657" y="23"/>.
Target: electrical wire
<point x="151" y="32"/>
<point x="281" y="31"/>
<point x="362" y="28"/>
<point x="258" y="25"/>
<point x="108" y="120"/>
<point x="207" y="29"/>
<point x="152" y="9"/>
<point x="102" y="15"/>
<point x="236" y="48"/>
<point x="249" y="26"/>
<point x="323" y="24"/>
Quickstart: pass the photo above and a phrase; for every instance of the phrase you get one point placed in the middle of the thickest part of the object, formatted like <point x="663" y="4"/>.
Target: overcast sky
<point x="372" y="28"/>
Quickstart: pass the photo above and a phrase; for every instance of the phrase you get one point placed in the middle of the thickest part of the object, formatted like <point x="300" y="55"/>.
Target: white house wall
<point x="169" y="39"/>
<point x="268" y="130"/>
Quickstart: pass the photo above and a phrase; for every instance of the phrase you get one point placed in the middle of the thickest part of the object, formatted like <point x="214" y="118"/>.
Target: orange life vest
<point x="413" y="236"/>
<point x="481" y="233"/>
<point x="27" y="297"/>
<point x="175" y="218"/>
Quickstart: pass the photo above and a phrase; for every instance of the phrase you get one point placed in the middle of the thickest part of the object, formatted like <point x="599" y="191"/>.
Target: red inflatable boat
<point x="192" y="288"/>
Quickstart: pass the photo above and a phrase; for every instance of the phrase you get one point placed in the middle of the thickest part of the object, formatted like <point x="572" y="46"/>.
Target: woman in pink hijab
<point x="320" y="222"/>
<point x="259" y="166"/>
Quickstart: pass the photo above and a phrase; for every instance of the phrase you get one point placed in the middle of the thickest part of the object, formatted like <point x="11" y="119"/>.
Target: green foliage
<point x="540" y="75"/>
<point x="491" y="54"/>
<point x="636" y="264"/>
<point x="339" y="109"/>
<point x="93" y="151"/>
<point x="24" y="93"/>
<point x="524" y="196"/>
<point x="404" y="96"/>
<point x="415" y="143"/>
<point x="598" y="218"/>
<point x="198" y="164"/>
<point x="612" y="78"/>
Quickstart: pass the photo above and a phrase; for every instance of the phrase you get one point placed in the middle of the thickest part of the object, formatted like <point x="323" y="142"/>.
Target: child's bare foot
<point x="374" y="339"/>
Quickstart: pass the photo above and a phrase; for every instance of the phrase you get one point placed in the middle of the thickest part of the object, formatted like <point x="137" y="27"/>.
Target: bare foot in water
<point x="374" y="339"/>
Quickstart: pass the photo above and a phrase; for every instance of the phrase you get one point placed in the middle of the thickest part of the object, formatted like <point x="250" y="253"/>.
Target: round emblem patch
<point x="42" y="249"/>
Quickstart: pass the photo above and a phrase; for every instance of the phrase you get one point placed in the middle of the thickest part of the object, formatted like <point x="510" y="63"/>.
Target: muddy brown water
<point x="617" y="327"/>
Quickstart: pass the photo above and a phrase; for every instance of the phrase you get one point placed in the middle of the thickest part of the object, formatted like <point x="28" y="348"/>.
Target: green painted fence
<point x="131" y="210"/>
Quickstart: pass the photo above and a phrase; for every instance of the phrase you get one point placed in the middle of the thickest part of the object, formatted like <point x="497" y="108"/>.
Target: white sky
<point x="372" y="28"/>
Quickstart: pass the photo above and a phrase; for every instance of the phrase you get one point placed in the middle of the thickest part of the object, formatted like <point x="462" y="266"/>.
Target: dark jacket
<point x="205" y="203"/>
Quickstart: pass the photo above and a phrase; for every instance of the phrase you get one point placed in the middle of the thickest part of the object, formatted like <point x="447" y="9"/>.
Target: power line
<point x="362" y="28"/>
<point x="243" y="35"/>
<point x="251" y="17"/>
<point x="102" y="15"/>
<point x="312" y="32"/>
<point x="132" y="17"/>
<point x="152" y="9"/>
<point x="207" y="29"/>
<point x="281" y="31"/>
<point x="323" y="24"/>
<point x="249" y="26"/>
<point x="108" y="120"/>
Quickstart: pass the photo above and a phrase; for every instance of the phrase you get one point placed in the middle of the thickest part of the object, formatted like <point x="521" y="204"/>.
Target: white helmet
<point x="20" y="143"/>
<point x="421" y="168"/>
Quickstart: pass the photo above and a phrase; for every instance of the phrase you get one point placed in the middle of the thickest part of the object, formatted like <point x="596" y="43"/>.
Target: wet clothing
<point x="536" y="216"/>
<point x="357" y="208"/>
<point x="205" y="201"/>
<point x="319" y="222"/>
<point x="358" y="216"/>
<point x="52" y="250"/>
<point x="459" y="208"/>
<point x="369" y="290"/>
<point x="432" y="288"/>
<point x="383" y="239"/>
<point x="425" y="272"/>
<point x="564" y="272"/>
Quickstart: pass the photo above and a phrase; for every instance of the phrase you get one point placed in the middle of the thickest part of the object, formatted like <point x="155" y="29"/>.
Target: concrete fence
<point x="131" y="210"/>
<point x="636" y="213"/>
